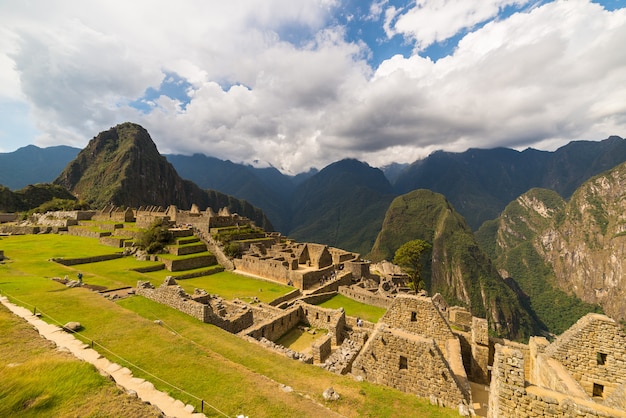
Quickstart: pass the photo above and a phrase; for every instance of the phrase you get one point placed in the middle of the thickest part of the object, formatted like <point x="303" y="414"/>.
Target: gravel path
<point x="124" y="377"/>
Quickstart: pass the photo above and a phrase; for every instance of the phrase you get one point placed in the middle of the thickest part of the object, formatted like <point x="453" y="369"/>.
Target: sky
<point x="302" y="84"/>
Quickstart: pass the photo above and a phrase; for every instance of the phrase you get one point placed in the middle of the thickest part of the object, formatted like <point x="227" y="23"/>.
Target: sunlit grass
<point x="356" y="309"/>
<point x="237" y="376"/>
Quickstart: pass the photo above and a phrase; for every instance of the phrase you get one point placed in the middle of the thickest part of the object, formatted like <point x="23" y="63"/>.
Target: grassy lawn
<point x="38" y="380"/>
<point x="354" y="308"/>
<point x="236" y="376"/>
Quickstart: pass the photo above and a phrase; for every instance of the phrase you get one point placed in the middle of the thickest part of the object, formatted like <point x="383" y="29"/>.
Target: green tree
<point x="156" y="237"/>
<point x="409" y="258"/>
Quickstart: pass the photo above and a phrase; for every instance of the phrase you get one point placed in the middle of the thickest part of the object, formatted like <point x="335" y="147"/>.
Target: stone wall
<point x="8" y="217"/>
<point x="334" y="320"/>
<point x="87" y="232"/>
<point x="278" y="326"/>
<point x="188" y="263"/>
<point x="87" y="260"/>
<point x="365" y="296"/>
<point x="594" y="351"/>
<point x="116" y="242"/>
<point x="511" y="397"/>
<point x="289" y="296"/>
<point x="174" y="297"/>
<point x="20" y="229"/>
<point x="321" y="349"/>
<point x="418" y="315"/>
<point x="317" y="298"/>
<point x="410" y="363"/>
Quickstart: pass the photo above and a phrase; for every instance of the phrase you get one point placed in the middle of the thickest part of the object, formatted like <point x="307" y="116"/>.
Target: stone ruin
<point x="582" y="373"/>
<point x="302" y="265"/>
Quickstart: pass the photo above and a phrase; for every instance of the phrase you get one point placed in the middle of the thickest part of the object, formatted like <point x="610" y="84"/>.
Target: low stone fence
<point x="21" y="230"/>
<point x="364" y="296"/>
<point x="278" y="326"/>
<point x="81" y="231"/>
<point x="202" y="273"/>
<point x="318" y="298"/>
<point x="116" y="242"/>
<point x="289" y="296"/>
<point x="149" y="268"/>
<point x="87" y="260"/>
<point x="279" y="349"/>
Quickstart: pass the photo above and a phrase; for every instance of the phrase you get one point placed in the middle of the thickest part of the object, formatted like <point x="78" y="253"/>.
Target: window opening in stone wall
<point x="598" y="390"/>
<point x="403" y="363"/>
<point x="317" y="315"/>
<point x="601" y="358"/>
<point x="413" y="316"/>
<point x="328" y="318"/>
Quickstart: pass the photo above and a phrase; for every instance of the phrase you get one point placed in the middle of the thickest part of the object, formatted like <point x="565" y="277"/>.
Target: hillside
<point x="343" y="206"/>
<point x="458" y="268"/>
<point x="122" y="166"/>
<point x="513" y="241"/>
<point x="31" y="197"/>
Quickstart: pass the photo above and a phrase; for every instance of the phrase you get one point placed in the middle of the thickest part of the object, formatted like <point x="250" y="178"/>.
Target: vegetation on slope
<point x="458" y="268"/>
<point x="510" y="241"/>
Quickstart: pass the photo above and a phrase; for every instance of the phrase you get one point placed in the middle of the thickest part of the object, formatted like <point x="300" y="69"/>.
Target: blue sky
<point x="302" y="84"/>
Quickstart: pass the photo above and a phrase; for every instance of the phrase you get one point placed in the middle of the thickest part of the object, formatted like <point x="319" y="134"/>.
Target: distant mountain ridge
<point x="481" y="182"/>
<point x="478" y="183"/>
<point x="32" y="165"/>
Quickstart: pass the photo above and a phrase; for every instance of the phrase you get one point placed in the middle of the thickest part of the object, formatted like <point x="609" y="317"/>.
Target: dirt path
<point x="122" y="376"/>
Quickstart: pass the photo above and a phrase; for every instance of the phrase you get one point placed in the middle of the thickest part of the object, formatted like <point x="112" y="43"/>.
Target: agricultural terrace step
<point x="187" y="240"/>
<point x="181" y="232"/>
<point x="187" y="249"/>
<point x="199" y="273"/>
<point x="189" y="263"/>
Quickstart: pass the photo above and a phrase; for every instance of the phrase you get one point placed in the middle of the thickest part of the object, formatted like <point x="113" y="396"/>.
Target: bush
<point x="154" y="239"/>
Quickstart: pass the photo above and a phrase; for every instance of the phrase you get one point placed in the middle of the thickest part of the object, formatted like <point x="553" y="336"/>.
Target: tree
<point x="409" y="258"/>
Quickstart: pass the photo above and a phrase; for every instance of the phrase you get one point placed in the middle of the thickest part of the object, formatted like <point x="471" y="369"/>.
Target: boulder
<point x="72" y="326"/>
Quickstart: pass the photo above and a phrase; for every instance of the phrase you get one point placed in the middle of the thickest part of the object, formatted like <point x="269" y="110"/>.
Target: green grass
<point x="38" y="380"/>
<point x="299" y="340"/>
<point x="236" y="376"/>
<point x="356" y="309"/>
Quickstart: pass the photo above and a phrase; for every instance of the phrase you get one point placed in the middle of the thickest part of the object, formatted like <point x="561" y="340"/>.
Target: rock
<point x="330" y="394"/>
<point x="286" y="389"/>
<point x="158" y="322"/>
<point x="73" y="283"/>
<point x="72" y="326"/>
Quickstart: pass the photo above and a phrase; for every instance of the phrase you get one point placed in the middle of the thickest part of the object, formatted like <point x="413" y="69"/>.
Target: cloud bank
<point x="280" y="82"/>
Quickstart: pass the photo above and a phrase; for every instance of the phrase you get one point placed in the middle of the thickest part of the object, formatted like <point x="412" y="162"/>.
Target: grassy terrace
<point x="210" y="364"/>
<point x="353" y="308"/>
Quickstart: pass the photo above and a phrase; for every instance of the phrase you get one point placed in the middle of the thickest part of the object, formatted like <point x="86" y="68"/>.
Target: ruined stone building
<point x="581" y="374"/>
<point x="413" y="349"/>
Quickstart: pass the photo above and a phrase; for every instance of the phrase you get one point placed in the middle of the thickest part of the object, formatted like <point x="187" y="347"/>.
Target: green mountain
<point x="480" y="183"/>
<point x="513" y="240"/>
<point x="458" y="268"/>
<point x="31" y="197"/>
<point x="343" y="206"/>
<point x="566" y="255"/>
<point x="122" y="166"/>
<point x="33" y="165"/>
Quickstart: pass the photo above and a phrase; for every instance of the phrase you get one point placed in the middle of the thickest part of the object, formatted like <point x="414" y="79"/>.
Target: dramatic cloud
<point x="287" y="83"/>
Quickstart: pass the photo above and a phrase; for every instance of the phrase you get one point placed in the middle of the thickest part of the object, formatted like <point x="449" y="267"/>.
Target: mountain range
<point x="514" y="233"/>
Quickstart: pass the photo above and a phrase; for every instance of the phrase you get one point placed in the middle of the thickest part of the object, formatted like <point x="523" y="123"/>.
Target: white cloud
<point x="430" y="21"/>
<point x="546" y="76"/>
